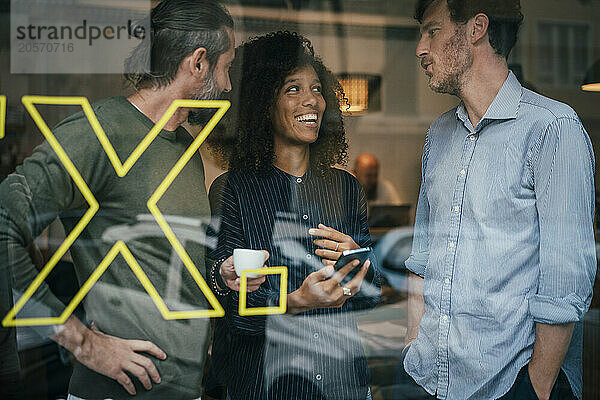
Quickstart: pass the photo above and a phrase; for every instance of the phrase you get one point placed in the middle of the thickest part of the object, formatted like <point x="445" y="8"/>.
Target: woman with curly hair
<point x="282" y="194"/>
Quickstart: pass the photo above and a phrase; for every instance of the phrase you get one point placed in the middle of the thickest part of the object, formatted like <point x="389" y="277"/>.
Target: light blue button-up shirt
<point x="504" y="239"/>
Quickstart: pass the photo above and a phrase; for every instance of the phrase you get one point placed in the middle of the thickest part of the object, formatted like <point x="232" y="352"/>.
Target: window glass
<point x="128" y="230"/>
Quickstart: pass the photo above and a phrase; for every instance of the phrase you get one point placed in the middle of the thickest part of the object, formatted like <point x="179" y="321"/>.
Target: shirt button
<point x="447" y="281"/>
<point x="463" y="171"/>
<point x="451" y="245"/>
<point x="308" y="256"/>
<point x="445" y="317"/>
<point x="456" y="209"/>
<point x="472" y="137"/>
<point x="305" y="217"/>
<point x="318" y="377"/>
<point x="316" y="335"/>
<point x="299" y="180"/>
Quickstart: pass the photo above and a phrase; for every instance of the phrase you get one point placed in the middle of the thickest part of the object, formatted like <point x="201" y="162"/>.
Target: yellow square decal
<point x="281" y="309"/>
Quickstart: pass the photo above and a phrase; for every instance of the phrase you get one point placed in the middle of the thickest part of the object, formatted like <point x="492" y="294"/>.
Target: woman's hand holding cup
<point x="244" y="259"/>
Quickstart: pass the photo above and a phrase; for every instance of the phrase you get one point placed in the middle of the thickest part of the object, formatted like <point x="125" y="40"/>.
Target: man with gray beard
<point x="503" y="259"/>
<point x="127" y="347"/>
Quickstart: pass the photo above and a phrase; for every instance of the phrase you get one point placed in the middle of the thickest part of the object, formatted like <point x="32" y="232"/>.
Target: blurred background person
<point x="379" y="191"/>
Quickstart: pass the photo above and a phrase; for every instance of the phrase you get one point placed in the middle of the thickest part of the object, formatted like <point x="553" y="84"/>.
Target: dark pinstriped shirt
<point x="316" y="354"/>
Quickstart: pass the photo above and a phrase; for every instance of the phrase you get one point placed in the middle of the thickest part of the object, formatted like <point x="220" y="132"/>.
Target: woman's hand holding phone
<point x="323" y="288"/>
<point x="333" y="243"/>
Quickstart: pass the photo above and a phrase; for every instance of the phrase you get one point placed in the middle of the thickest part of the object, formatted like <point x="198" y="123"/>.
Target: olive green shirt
<point x="41" y="190"/>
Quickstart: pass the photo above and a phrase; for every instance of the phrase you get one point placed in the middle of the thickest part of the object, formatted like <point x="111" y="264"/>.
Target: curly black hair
<point x="246" y="142"/>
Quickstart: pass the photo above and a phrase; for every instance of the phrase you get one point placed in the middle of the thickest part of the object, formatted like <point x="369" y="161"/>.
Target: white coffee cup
<point x="245" y="259"/>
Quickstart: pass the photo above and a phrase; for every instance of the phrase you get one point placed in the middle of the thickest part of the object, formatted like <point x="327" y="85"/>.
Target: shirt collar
<point x="165" y="134"/>
<point x="505" y="104"/>
<point x="293" y="178"/>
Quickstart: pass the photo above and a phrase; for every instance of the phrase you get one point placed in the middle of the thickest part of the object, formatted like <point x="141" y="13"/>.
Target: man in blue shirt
<point x="503" y="259"/>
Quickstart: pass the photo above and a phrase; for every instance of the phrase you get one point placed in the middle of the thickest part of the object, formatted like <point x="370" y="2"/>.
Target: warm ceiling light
<point x="591" y="82"/>
<point x="591" y="87"/>
<point x="359" y="90"/>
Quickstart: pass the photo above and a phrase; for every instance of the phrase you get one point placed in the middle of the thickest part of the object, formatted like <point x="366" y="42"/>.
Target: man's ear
<point x="196" y="63"/>
<point x="478" y="28"/>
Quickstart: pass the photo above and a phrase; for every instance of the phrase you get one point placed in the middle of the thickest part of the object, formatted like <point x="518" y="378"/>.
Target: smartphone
<point x="350" y="255"/>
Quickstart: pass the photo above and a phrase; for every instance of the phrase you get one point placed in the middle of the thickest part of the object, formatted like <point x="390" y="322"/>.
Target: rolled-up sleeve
<point x="563" y="176"/>
<point x="419" y="255"/>
<point x="30" y="199"/>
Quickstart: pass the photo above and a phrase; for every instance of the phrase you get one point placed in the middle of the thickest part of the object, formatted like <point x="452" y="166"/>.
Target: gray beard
<point x="209" y="91"/>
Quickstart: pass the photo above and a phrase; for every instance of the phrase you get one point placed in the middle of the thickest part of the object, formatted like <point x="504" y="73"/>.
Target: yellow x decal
<point x="2" y="115"/>
<point x="119" y="247"/>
